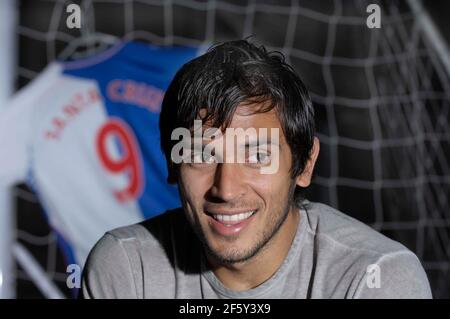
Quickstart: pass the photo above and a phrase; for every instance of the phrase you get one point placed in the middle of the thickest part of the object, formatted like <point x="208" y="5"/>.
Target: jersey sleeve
<point x="14" y="140"/>
<point x="16" y="125"/>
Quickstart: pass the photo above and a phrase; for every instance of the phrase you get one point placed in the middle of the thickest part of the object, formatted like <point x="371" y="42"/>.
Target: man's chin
<point x="229" y="249"/>
<point x="228" y="259"/>
<point x="228" y="253"/>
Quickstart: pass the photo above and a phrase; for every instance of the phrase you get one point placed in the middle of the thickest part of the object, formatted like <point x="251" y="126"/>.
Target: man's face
<point x="234" y="209"/>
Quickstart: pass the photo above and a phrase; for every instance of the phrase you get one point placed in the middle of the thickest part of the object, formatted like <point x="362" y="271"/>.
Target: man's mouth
<point x="234" y="218"/>
<point x="230" y="223"/>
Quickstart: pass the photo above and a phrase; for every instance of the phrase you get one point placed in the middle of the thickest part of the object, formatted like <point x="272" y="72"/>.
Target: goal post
<point x="7" y="229"/>
<point x="8" y="60"/>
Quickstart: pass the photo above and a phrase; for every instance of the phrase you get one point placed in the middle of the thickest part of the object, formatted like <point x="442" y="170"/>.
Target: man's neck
<point x="254" y="272"/>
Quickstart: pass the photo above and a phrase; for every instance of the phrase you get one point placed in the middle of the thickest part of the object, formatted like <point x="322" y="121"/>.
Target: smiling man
<point x="243" y="232"/>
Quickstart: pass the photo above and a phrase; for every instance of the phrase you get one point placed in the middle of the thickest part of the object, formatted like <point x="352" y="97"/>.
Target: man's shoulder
<point x="347" y="248"/>
<point x="154" y="236"/>
<point x="126" y="258"/>
<point x="333" y="226"/>
<point x="152" y="229"/>
<point x="166" y="236"/>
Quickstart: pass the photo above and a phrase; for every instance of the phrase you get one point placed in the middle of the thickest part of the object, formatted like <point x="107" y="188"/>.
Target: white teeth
<point x="233" y="218"/>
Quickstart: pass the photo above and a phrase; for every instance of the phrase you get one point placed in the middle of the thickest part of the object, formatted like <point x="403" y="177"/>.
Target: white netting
<point x="381" y="98"/>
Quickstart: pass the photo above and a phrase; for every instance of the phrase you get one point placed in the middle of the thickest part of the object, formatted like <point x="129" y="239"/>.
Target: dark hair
<point x="237" y="72"/>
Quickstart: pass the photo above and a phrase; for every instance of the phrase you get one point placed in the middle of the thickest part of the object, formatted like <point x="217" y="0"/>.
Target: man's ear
<point x="304" y="179"/>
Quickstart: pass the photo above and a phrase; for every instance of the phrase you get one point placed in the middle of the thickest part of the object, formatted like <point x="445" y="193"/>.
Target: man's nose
<point x="228" y="182"/>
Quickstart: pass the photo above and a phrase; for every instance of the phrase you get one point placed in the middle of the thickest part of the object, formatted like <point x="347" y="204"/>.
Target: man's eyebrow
<point x="255" y="143"/>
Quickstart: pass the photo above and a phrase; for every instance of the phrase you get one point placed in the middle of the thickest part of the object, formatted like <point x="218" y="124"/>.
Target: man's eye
<point x="259" y="158"/>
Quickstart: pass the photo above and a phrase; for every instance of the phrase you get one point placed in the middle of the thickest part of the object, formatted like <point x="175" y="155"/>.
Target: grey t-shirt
<point x="329" y="258"/>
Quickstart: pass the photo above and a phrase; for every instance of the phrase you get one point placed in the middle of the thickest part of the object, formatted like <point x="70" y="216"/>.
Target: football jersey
<point x="84" y="135"/>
